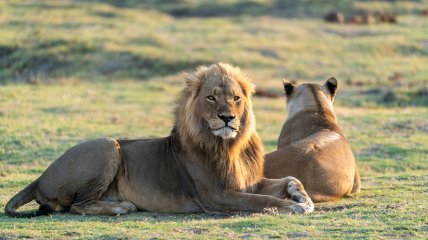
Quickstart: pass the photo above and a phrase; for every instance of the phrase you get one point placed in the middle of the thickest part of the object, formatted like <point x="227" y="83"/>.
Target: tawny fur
<point x="311" y="146"/>
<point x="212" y="162"/>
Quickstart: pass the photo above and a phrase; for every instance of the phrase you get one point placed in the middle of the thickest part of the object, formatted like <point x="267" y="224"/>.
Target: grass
<point x="77" y="70"/>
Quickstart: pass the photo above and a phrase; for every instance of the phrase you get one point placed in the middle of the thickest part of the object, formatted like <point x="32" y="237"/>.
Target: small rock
<point x="356" y="19"/>
<point x="382" y="17"/>
<point x="334" y="17"/>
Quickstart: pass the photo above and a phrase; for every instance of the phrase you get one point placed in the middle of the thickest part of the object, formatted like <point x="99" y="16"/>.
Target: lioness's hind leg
<point x="318" y="198"/>
<point x="104" y="208"/>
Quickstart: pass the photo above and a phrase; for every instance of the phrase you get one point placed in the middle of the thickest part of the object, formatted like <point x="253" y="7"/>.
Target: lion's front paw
<point x="296" y="191"/>
<point x="297" y="208"/>
<point x="303" y="208"/>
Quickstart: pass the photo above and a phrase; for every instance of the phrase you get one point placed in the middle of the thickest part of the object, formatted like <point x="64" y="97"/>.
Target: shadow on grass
<point x="19" y="63"/>
<point x="234" y="8"/>
<point x="205" y="8"/>
<point x="149" y="217"/>
<point x="388" y="95"/>
<point x="60" y="58"/>
<point x="42" y="59"/>
<point x="339" y="207"/>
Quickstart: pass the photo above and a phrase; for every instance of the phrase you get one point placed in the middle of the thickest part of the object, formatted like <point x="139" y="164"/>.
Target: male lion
<point x="212" y="162"/>
<point x="311" y="146"/>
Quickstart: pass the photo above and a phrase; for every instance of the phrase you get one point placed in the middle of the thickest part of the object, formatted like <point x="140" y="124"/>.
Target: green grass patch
<point x="77" y="70"/>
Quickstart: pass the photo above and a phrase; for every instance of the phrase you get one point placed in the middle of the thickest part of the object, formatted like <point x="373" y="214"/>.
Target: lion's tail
<point x="23" y="197"/>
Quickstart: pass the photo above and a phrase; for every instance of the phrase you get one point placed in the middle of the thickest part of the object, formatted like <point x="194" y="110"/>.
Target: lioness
<point x="311" y="146"/>
<point x="212" y="162"/>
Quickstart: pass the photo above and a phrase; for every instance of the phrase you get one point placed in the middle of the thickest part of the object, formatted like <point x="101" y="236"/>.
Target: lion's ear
<point x="288" y="87"/>
<point x="193" y="82"/>
<point x="331" y="86"/>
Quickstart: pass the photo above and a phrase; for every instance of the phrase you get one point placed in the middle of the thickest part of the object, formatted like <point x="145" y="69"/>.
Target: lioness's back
<point x="311" y="145"/>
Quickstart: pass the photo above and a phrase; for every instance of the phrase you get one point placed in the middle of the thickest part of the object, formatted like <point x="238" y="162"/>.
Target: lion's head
<point x="214" y="116"/>
<point x="310" y="97"/>
<point x="215" y="105"/>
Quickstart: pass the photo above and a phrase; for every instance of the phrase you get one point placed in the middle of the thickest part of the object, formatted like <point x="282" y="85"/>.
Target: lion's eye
<point x="236" y="98"/>
<point x="211" y="98"/>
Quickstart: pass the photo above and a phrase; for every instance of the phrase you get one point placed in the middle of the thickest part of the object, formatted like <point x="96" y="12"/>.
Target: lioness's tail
<point x="23" y="197"/>
<point x="357" y="181"/>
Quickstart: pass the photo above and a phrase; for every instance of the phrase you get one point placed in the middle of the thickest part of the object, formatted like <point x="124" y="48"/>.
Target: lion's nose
<point x="226" y="118"/>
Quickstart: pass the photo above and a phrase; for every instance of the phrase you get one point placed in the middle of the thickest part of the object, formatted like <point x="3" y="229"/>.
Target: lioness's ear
<point x="331" y="86"/>
<point x="288" y="87"/>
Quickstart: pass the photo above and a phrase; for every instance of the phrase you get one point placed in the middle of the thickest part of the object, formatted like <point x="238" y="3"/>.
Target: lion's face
<point x="217" y="103"/>
<point x="221" y="102"/>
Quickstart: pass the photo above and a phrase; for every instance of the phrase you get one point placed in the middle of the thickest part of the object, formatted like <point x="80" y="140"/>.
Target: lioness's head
<point x="310" y="97"/>
<point x="216" y="103"/>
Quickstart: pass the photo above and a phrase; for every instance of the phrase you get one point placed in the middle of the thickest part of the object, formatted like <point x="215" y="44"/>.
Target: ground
<point x="77" y="70"/>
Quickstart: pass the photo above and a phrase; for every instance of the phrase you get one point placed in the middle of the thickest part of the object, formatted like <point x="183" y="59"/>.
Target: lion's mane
<point x="232" y="160"/>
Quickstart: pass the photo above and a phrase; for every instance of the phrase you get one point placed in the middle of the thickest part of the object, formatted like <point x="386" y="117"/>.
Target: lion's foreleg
<point x="250" y="202"/>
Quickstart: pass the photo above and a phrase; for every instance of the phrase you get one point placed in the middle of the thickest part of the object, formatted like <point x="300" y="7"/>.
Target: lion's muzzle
<point x="225" y="132"/>
<point x="224" y="126"/>
<point x="226" y="118"/>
